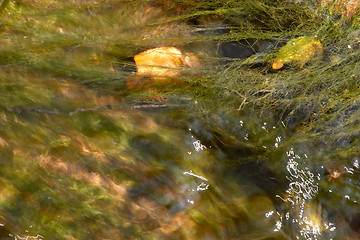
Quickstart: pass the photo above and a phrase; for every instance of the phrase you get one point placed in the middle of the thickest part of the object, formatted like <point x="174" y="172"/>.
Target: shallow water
<point x="84" y="157"/>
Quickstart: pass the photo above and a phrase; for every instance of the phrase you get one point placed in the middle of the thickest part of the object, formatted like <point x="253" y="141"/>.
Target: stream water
<point x="84" y="157"/>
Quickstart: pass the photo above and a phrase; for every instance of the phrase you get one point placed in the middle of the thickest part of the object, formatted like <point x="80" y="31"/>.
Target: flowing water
<point x="85" y="156"/>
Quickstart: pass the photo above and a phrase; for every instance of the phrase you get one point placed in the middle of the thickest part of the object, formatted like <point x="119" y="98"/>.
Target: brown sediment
<point x="346" y="8"/>
<point x="335" y="172"/>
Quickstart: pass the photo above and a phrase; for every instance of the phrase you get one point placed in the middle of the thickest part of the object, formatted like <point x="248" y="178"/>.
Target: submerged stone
<point x="163" y="61"/>
<point x="300" y="50"/>
<point x="162" y="65"/>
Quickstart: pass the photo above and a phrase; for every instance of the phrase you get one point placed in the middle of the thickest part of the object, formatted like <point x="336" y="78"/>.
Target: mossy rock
<point x="299" y="50"/>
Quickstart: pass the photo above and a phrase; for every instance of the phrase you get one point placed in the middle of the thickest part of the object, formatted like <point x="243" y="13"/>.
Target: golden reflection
<point x="79" y="173"/>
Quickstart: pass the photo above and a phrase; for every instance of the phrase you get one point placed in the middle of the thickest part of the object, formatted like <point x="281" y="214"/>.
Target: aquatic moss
<point x="81" y="153"/>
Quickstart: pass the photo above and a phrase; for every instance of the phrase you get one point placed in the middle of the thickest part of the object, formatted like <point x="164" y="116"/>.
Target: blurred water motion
<point x="85" y="156"/>
<point x="153" y="180"/>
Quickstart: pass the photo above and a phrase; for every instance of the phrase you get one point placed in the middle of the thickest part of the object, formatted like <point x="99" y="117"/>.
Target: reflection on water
<point x="85" y="156"/>
<point x="201" y="187"/>
<point x="301" y="214"/>
<point x="37" y="237"/>
<point x="154" y="178"/>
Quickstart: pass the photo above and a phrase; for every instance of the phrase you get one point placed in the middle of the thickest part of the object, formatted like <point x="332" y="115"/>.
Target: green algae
<point x="77" y="162"/>
<point x="299" y="50"/>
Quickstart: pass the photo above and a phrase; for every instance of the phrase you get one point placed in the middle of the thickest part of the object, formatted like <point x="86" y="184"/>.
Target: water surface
<point x="84" y="157"/>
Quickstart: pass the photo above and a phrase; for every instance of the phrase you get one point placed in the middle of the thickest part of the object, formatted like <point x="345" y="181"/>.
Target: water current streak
<point x="90" y="109"/>
<point x="192" y="174"/>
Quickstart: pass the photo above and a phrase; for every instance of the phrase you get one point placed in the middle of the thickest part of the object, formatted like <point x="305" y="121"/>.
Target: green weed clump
<point x="318" y="100"/>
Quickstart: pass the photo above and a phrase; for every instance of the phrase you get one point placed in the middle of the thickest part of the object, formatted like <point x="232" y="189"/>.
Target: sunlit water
<point x="84" y="157"/>
<point x="300" y="214"/>
<point x="156" y="178"/>
<point x="174" y="181"/>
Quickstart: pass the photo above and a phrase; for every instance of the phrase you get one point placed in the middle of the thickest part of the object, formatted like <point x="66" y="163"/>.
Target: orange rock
<point x="162" y="62"/>
<point x="160" y="65"/>
<point x="277" y="65"/>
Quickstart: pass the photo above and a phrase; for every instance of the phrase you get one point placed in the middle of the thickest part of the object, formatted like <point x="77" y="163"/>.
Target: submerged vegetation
<point x="85" y="156"/>
<point x="300" y="50"/>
